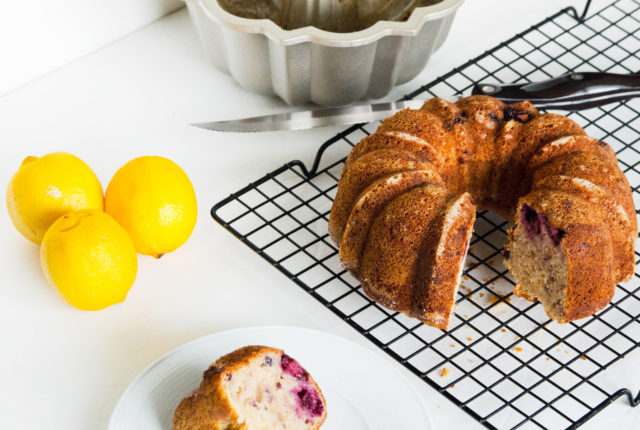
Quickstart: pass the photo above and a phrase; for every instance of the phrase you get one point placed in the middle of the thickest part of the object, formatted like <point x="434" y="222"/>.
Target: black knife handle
<point x="571" y="91"/>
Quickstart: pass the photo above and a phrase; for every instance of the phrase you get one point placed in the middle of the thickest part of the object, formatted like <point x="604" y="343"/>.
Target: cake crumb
<point x="582" y="357"/>
<point x="452" y="385"/>
<point x="491" y="262"/>
<point x="496" y="297"/>
<point x="444" y="373"/>
<point x="503" y="330"/>
<point x="466" y="278"/>
<point x="517" y="349"/>
<point x="547" y="358"/>
<point x="453" y="345"/>
<point x="470" y="297"/>
<point x="481" y="294"/>
<point x="469" y="339"/>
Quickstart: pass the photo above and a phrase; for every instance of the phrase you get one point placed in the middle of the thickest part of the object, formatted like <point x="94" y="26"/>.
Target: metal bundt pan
<point x="308" y="64"/>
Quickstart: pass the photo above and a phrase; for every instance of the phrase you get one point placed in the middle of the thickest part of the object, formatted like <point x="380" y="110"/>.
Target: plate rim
<point x="297" y="329"/>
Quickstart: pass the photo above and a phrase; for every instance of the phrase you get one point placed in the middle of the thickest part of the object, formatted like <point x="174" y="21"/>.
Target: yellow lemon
<point x="153" y="199"/>
<point x="89" y="258"/>
<point x="48" y="187"/>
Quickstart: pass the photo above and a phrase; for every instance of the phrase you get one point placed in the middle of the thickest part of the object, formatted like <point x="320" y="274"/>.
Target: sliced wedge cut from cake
<point x="401" y="237"/>
<point x="441" y="277"/>
<point x="253" y="388"/>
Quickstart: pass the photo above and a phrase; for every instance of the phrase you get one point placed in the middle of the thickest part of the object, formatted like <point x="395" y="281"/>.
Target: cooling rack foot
<point x="580" y="18"/>
<point x="625" y="391"/>
<point x="612" y="398"/>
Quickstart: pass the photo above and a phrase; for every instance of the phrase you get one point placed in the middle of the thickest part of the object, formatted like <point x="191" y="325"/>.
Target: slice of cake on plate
<point x="253" y="388"/>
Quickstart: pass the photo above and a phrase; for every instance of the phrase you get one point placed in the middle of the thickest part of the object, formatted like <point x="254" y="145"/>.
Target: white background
<point x="64" y="368"/>
<point x="38" y="36"/>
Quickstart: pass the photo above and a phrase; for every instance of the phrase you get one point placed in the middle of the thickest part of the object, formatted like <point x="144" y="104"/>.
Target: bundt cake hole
<point x="537" y="261"/>
<point x="266" y="392"/>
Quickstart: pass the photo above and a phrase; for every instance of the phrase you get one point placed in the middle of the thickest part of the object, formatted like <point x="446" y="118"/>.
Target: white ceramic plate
<point x="362" y="389"/>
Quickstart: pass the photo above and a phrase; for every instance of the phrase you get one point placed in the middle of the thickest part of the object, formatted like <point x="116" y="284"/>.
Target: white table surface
<point x="39" y="36"/>
<point x="64" y="368"/>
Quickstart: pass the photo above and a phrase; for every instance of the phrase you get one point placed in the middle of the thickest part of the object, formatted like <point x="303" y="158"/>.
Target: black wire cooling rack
<point x="502" y="360"/>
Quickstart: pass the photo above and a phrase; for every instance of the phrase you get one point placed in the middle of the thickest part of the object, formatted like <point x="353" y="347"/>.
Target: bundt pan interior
<point x="329" y="52"/>
<point x="341" y="16"/>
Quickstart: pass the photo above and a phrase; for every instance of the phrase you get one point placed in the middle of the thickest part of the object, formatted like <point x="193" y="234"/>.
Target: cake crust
<point x="370" y="204"/>
<point x="208" y="406"/>
<point x="364" y="170"/>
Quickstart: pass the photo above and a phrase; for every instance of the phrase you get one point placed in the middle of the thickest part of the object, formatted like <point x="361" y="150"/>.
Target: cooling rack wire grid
<point x="507" y="364"/>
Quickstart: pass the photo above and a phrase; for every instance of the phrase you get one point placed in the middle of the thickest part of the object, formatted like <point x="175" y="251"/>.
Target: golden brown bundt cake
<point x="253" y="388"/>
<point x="406" y="201"/>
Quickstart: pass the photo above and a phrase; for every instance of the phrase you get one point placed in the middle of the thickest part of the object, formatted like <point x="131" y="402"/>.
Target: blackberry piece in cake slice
<point x="253" y="388"/>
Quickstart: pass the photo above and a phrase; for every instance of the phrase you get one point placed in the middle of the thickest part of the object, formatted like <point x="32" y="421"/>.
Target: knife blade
<point x="571" y="91"/>
<point x="313" y="118"/>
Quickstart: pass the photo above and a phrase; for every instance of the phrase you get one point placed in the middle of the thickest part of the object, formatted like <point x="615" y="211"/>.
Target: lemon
<point x="153" y="199"/>
<point x="46" y="188"/>
<point x="89" y="258"/>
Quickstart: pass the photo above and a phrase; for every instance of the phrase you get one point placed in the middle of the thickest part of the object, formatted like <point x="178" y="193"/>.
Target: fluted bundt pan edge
<point x="311" y="65"/>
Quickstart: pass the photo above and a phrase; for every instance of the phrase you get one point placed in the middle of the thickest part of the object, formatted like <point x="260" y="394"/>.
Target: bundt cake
<point x="253" y="388"/>
<point x="405" y="206"/>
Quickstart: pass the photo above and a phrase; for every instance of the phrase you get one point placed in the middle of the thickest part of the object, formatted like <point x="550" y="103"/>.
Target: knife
<point x="313" y="118"/>
<point x="571" y="91"/>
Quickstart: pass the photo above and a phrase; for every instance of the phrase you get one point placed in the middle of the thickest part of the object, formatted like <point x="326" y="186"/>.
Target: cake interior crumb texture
<point x="538" y="262"/>
<point x="266" y="392"/>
